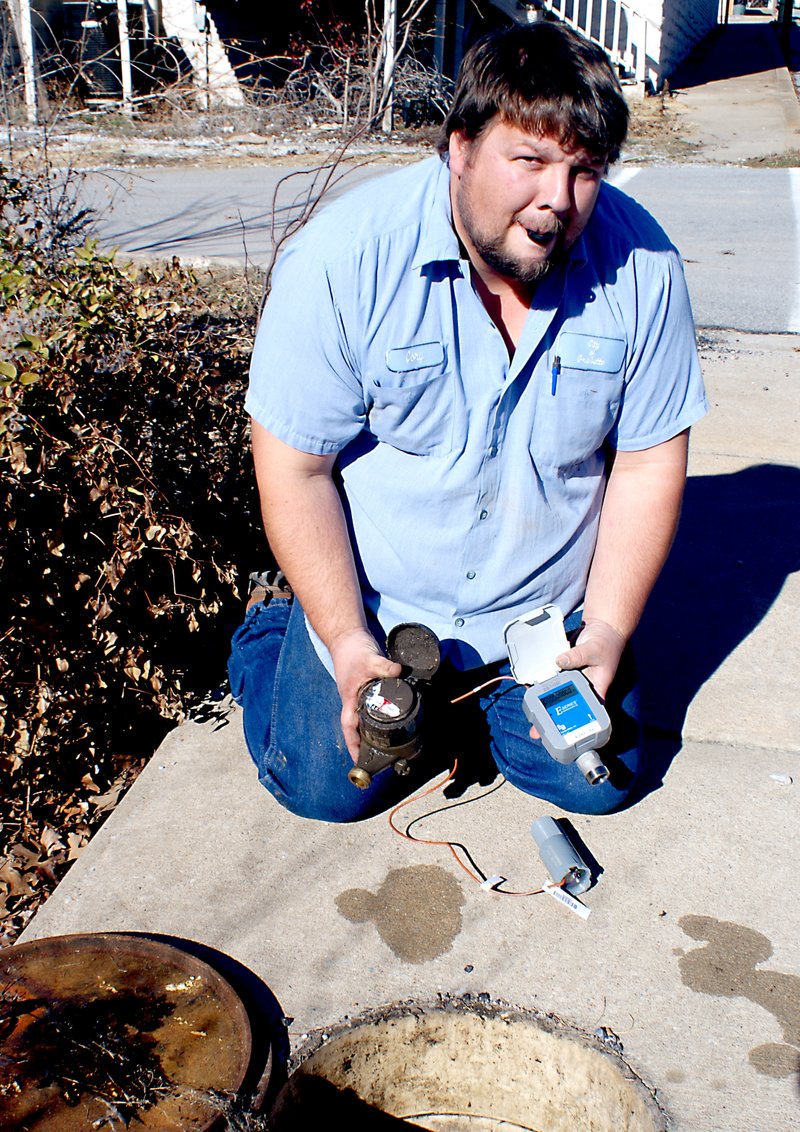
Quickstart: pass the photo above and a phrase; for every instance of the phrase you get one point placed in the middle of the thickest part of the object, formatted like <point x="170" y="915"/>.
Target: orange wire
<point x="449" y="844"/>
<point x="423" y="841"/>
<point x="494" y="680"/>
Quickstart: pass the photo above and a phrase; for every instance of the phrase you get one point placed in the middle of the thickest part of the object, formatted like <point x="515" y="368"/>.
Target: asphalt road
<point x="738" y="229"/>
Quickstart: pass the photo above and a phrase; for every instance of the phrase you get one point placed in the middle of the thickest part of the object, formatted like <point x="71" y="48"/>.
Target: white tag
<point x="492" y="882"/>
<point x="379" y="705"/>
<point x="569" y="901"/>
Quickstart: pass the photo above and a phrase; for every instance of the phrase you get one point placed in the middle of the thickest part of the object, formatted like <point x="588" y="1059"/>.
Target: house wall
<point x="47" y="21"/>
<point x="663" y="32"/>
<point x="684" y="23"/>
<point x="645" y="38"/>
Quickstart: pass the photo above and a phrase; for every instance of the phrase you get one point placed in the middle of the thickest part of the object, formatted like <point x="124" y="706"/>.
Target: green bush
<point x="127" y="501"/>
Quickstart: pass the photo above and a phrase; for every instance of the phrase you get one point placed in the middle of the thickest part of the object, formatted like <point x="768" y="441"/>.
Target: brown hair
<point x="545" y="79"/>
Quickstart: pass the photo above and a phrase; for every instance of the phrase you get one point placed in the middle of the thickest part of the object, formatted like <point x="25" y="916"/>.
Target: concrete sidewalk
<point x="690" y="954"/>
<point x="736" y="94"/>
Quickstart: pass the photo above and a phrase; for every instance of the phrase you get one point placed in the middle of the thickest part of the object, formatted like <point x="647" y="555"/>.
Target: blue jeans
<point x="292" y="729"/>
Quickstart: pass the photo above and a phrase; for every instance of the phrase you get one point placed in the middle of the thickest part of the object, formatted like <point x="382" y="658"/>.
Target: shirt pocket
<point x="578" y="402"/>
<point x="411" y="400"/>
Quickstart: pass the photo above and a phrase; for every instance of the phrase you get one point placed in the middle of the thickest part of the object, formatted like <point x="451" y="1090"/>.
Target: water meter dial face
<point x="387" y="701"/>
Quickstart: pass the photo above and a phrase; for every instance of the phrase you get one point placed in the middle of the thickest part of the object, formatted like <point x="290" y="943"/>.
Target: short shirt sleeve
<point x="663" y="392"/>
<point x="304" y="388"/>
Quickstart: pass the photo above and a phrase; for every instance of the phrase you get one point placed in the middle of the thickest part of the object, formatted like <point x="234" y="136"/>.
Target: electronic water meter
<point x="562" y="706"/>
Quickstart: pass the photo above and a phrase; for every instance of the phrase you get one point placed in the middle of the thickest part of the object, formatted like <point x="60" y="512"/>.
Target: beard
<point x="493" y="253"/>
<point x="492" y="250"/>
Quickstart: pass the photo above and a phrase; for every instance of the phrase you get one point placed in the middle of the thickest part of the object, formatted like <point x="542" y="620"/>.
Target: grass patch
<point x="790" y="159"/>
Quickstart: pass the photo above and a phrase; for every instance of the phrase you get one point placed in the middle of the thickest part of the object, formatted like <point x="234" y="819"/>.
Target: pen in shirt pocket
<point x="555" y="371"/>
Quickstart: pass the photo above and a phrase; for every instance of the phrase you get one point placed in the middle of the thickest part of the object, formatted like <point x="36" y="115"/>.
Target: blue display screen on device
<point x="567" y="708"/>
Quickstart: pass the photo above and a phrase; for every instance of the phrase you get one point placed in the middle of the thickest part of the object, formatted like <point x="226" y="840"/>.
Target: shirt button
<point x="470" y="574"/>
<point x="492" y="450"/>
<point x="459" y="621"/>
<point x="484" y="515"/>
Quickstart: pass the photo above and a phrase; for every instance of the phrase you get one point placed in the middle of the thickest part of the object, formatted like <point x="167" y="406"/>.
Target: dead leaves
<point x="128" y="505"/>
<point x="37" y="854"/>
<point x="30" y="871"/>
<point x="103" y="803"/>
<point x="12" y="879"/>
<point x="50" y="842"/>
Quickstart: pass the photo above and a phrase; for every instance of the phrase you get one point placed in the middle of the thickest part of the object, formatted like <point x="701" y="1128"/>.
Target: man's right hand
<point x="309" y="537"/>
<point x="357" y="660"/>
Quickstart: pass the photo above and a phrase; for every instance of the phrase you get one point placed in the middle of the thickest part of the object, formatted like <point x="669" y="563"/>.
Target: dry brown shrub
<point x="128" y="510"/>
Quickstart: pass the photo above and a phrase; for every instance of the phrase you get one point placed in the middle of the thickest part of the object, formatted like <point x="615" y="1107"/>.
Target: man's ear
<point x="458" y="149"/>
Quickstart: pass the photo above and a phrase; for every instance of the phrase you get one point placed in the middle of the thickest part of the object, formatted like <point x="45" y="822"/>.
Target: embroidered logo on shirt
<point x="586" y="351"/>
<point x="592" y="357"/>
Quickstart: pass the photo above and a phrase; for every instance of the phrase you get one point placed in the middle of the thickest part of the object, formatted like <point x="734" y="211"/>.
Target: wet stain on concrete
<point x="774" y="1059"/>
<point x="727" y="966"/>
<point x="417" y="911"/>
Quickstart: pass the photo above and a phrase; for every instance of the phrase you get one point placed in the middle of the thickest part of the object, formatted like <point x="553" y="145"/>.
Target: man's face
<point x="520" y="200"/>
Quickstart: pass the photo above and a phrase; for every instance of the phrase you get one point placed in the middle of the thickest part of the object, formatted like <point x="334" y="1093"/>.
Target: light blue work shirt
<point x="472" y="483"/>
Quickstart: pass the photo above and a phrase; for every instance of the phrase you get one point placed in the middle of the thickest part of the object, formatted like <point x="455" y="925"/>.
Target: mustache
<point x="554" y="227"/>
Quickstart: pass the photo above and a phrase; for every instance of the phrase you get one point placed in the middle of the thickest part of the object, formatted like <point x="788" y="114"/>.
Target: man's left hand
<point x="597" y="652"/>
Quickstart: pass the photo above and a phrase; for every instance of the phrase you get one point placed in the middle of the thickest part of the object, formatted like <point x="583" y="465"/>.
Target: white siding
<point x="649" y="37"/>
<point x="671" y="28"/>
<point x="684" y="23"/>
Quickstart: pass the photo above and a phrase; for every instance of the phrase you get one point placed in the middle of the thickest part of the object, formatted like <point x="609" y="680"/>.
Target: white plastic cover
<point x="534" y="640"/>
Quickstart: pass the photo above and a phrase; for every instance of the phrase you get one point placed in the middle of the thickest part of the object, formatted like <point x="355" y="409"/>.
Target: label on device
<point x="570" y="712"/>
<point x="568" y="901"/>
<point x="568" y="715"/>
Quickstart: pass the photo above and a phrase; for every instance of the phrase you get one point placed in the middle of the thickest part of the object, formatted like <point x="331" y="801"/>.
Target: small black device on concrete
<point x="390" y="711"/>
<point x="562" y="706"/>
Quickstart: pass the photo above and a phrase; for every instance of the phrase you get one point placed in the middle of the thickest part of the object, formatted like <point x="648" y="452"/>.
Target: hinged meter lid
<point x="534" y="640"/>
<point x="416" y="647"/>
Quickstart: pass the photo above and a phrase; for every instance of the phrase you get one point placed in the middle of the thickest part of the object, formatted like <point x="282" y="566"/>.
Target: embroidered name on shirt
<point x="419" y="355"/>
<point x="585" y="351"/>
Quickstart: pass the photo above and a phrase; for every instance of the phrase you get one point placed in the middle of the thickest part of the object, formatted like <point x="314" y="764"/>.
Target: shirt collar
<point x="439" y="241"/>
<point x="579" y="255"/>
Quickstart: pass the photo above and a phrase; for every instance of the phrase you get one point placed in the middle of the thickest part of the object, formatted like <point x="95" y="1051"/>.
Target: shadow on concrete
<point x="194" y="224"/>
<point x="729" y="52"/>
<point x="790" y="40"/>
<point x="738" y="541"/>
